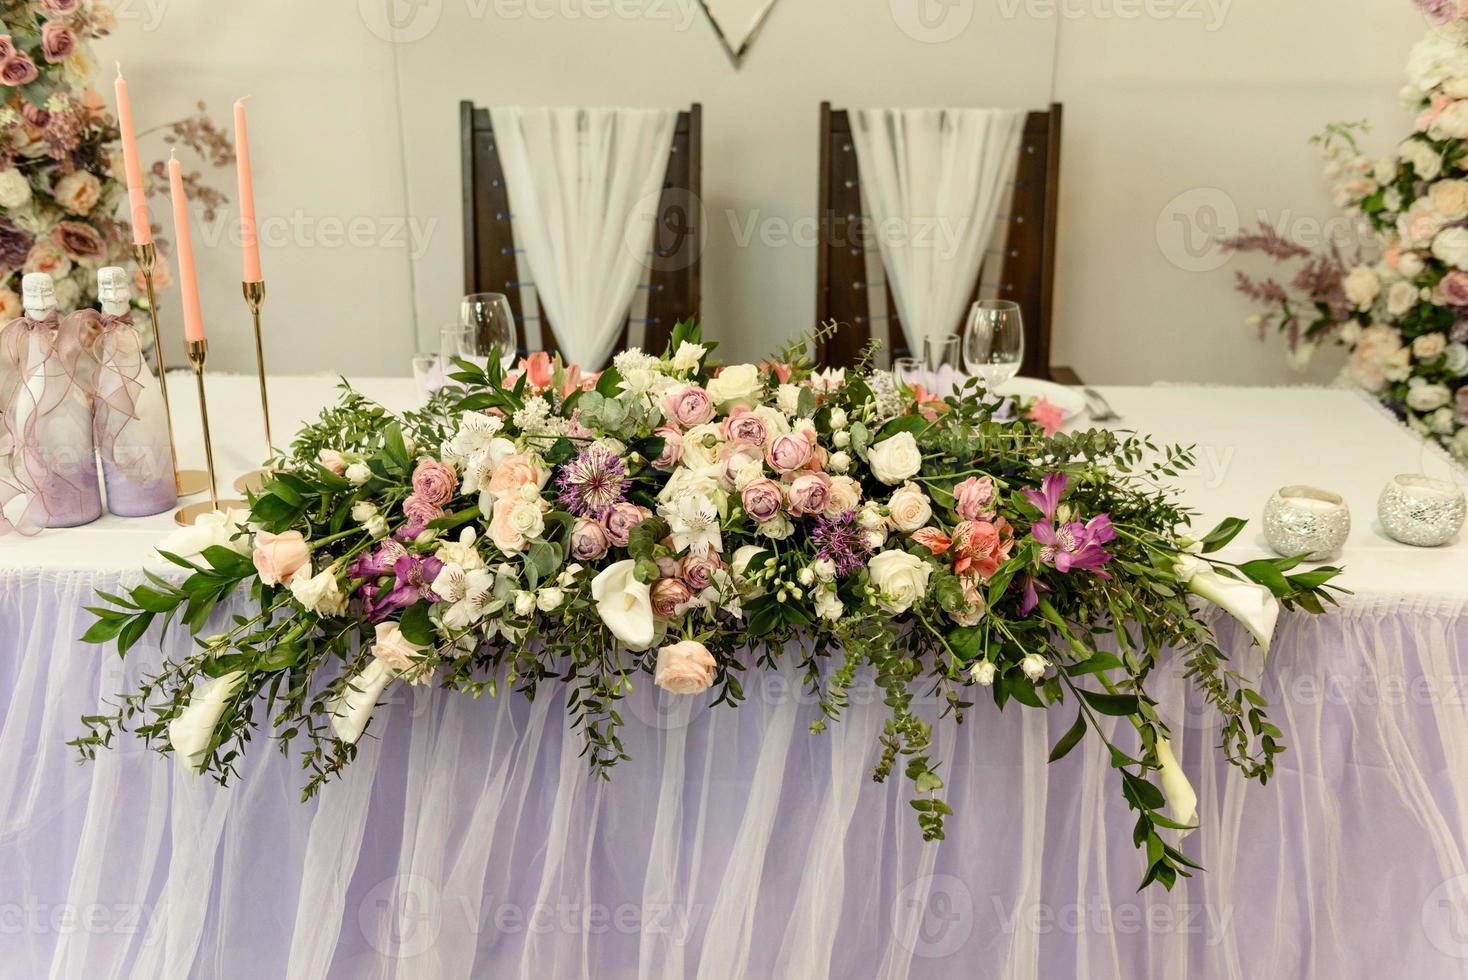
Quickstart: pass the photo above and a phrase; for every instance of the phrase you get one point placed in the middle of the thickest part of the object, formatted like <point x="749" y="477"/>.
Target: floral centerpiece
<point x="691" y="522"/>
<point x="1400" y="304"/>
<point x="60" y="167"/>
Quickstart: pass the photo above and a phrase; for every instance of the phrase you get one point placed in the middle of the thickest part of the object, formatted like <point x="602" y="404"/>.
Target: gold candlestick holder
<point x="186" y="483"/>
<point x="254" y="480"/>
<point x="198" y="351"/>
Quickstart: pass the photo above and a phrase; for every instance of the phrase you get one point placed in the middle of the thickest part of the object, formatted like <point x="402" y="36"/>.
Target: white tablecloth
<point x="1249" y="441"/>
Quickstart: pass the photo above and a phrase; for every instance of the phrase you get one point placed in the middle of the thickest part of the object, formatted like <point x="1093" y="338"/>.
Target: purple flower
<point x="1033" y="588"/>
<point x="1439" y="11"/>
<point x="375" y="564"/>
<point x="414" y="575"/>
<point x="15" y="245"/>
<point x="840" y="541"/>
<point x="1075" y="545"/>
<point x="593" y="483"/>
<point x="1047" y="499"/>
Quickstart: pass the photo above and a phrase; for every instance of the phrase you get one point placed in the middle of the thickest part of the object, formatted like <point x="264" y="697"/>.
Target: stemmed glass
<point x="994" y="341"/>
<point x="940" y="352"/>
<point x="908" y="371"/>
<point x="488" y="323"/>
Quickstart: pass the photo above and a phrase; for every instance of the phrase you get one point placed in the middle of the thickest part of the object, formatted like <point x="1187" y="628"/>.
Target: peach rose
<point x="395" y="649"/>
<point x="48" y="258"/>
<point x="685" y="668"/>
<point x="909" y="508"/>
<point x="513" y="473"/>
<point x="9" y="305"/>
<point x="78" y="191"/>
<point x="332" y="460"/>
<point x="667" y="595"/>
<point x="436" y="482"/>
<point x="278" y="557"/>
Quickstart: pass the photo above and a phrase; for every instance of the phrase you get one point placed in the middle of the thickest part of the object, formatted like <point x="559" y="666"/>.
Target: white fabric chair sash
<point x="584" y="186"/>
<point x="934" y="180"/>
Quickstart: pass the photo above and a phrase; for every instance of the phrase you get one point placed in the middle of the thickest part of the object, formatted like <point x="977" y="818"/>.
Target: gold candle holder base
<point x="187" y="483"/>
<point x="198" y="353"/>
<point x="253" y="481"/>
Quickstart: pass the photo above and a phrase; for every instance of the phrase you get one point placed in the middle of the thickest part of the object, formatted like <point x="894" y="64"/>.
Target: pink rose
<point x="18" y="70"/>
<point x="762" y="499"/>
<point x="975" y="498"/>
<point x="420" y="510"/>
<point x="667" y="566"/>
<point x="1455" y="288"/>
<point x="502" y="531"/>
<point x="667" y="595"/>
<point x="78" y="240"/>
<point x="736" y="456"/>
<point x="745" y="426"/>
<point x="278" y="557"/>
<point x="685" y="668"/>
<point x="809" y="494"/>
<point x="513" y="473"/>
<point x="589" y="540"/>
<point x="788" y="453"/>
<point x="672" y="448"/>
<point x="59" y="8"/>
<point x="332" y="460"/>
<point x="689" y="406"/>
<point x="435" y="482"/>
<point x="621" y="519"/>
<point x="58" y="41"/>
<point x="698" y="571"/>
<point x="395" y="649"/>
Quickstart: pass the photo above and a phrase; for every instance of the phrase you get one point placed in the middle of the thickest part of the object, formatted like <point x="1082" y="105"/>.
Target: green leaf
<point x="450" y="521"/>
<point x="1069" y="740"/>
<point x="415" y="625"/>
<point x="610" y="383"/>
<point x="1267" y="574"/>
<point x="154" y="601"/>
<point x="966" y="641"/>
<point x="1094" y="664"/>
<point x="228" y="562"/>
<point x="1221" y="535"/>
<point x="644" y="537"/>
<point x="1118" y="705"/>
<point x="394" y="446"/>
<point x="104" y="630"/>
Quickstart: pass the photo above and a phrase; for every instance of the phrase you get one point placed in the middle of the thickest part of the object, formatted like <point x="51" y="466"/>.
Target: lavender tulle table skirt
<point x="470" y="840"/>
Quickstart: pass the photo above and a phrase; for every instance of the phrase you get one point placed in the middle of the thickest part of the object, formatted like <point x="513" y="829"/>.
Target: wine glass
<point x="994" y="341"/>
<point x="491" y="325"/>
<point x="941" y="352"/>
<point x="908" y="371"/>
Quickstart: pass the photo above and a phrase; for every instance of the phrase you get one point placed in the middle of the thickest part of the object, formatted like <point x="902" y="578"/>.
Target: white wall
<point x="1198" y="108"/>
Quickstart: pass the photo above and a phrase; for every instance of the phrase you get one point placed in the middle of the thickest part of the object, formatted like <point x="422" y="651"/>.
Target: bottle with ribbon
<point x="46" y="379"/>
<point x="129" y="424"/>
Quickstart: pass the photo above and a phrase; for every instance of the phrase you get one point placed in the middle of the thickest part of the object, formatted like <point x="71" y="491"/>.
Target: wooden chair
<point x="852" y="290"/>
<point x="491" y="260"/>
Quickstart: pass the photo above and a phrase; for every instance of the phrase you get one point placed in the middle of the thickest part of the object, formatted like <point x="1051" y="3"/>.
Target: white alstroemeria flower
<point x="694" y="520"/>
<point x="319" y="593"/>
<point x="191" y="732"/>
<point x="466" y="594"/>
<point x="207" y="531"/>
<point x="1182" y="802"/>
<point x="1248" y="602"/>
<point x="687" y="356"/>
<point x="463" y="552"/>
<point x="625" y="604"/>
<point x="476" y="433"/>
<point x="352" y="709"/>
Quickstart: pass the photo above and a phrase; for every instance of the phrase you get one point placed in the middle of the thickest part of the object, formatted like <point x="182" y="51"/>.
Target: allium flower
<point x="840" y="541"/>
<point x="593" y="483"/>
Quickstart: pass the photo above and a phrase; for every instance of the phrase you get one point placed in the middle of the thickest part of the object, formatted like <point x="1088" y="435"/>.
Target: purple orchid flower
<point x="1074" y="545"/>
<point x="414" y="575"/>
<point x="1047" y="499"/>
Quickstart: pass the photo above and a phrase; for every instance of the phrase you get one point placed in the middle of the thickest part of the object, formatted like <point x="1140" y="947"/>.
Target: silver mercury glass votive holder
<point x="1302" y="520"/>
<point x="1420" y="510"/>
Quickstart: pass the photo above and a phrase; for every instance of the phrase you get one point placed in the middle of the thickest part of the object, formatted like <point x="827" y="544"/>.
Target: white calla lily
<point x="352" y="709"/>
<point x="1182" y="802"/>
<point x="1248" y="602"/>
<point x="190" y="733"/>
<point x="625" y="604"/>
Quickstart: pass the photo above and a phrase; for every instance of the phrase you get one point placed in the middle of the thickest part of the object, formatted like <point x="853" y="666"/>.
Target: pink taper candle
<point x="249" y="238"/>
<point x="137" y="203"/>
<point x="188" y="284"/>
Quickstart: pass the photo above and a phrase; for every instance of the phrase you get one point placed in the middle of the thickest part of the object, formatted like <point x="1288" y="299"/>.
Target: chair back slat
<point x="491" y="260"/>
<point x="1023" y="250"/>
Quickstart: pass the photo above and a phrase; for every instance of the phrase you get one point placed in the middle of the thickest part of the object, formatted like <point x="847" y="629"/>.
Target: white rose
<point x="358" y="474"/>
<point x="983" y="673"/>
<point x="842" y="439"/>
<point x="1443" y="421"/>
<point x="376" y="525"/>
<point x="1410" y="265"/>
<point x="1456" y="87"/>
<point x="1451" y="246"/>
<point x="1435" y="59"/>
<point x="898" y="458"/>
<point x="840" y="462"/>
<point x="624" y="604"/>
<point x="319" y="593"/>
<point x="787" y="399"/>
<point x="191" y="731"/>
<point x="828" y="605"/>
<point x="824" y="569"/>
<point x="1428" y="397"/>
<point x="1450" y="198"/>
<point x="549" y="600"/>
<point x="1424" y="159"/>
<point x="1362" y="287"/>
<point x="210" y="530"/>
<point x="779" y="529"/>
<point x="838" y="419"/>
<point x="527" y="520"/>
<point x="363" y="510"/>
<point x="1457" y="358"/>
<point x="1034" y="666"/>
<point x="1459" y="443"/>
<point x="15" y="190"/>
<point x="901" y="578"/>
<point x="1451" y="123"/>
<point x="742" y="558"/>
<point x="909" y="508"/>
<point x="737" y="384"/>
<point x="524" y="603"/>
<point x="1401" y="297"/>
<point x="1429" y="345"/>
<point x="845" y="495"/>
